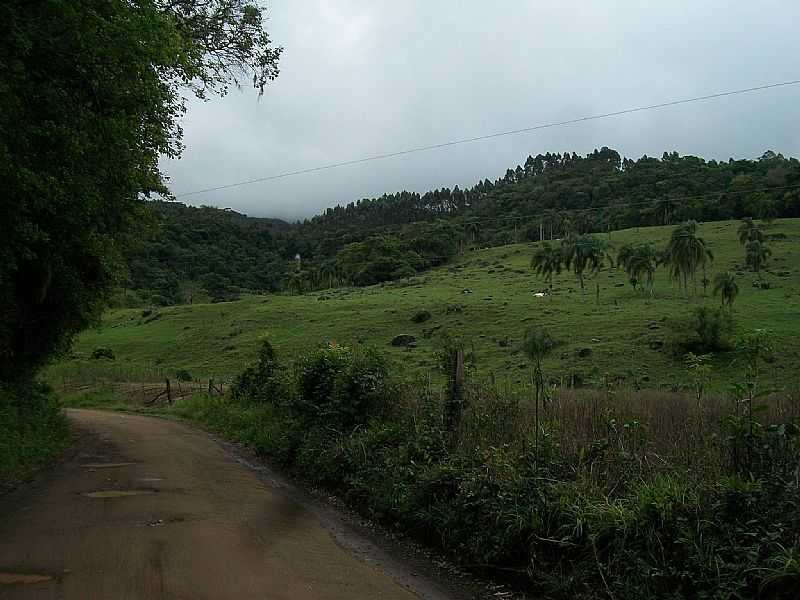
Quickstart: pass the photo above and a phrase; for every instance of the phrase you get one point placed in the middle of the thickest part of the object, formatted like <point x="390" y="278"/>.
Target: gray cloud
<point x="366" y="77"/>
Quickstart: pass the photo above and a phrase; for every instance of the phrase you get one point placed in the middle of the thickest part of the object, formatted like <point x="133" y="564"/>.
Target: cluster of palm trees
<point x="756" y="254"/>
<point x="583" y="254"/>
<point x="686" y="255"/>
<point x="640" y="262"/>
<point x="326" y="275"/>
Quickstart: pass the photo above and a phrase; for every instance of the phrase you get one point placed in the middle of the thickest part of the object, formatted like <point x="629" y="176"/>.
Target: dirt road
<point x="150" y="509"/>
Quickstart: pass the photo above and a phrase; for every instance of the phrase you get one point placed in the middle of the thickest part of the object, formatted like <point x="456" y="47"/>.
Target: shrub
<point x="404" y="272"/>
<point x="421" y="316"/>
<point x="183" y="375"/>
<point x="159" y="300"/>
<point x="580" y="513"/>
<point x="340" y="386"/>
<point x="713" y="328"/>
<point x="99" y="353"/>
<point x="218" y="296"/>
<point x="708" y="330"/>
<point x="33" y="429"/>
<point x="261" y="382"/>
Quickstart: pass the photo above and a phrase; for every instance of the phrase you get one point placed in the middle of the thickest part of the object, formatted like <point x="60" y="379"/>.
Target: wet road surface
<point x="146" y="508"/>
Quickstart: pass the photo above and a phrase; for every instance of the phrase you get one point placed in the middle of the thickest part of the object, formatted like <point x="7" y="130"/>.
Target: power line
<point x="489" y="136"/>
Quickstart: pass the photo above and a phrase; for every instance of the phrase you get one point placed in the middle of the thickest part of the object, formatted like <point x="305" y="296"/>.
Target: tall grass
<point x="88" y="372"/>
<point x="655" y="432"/>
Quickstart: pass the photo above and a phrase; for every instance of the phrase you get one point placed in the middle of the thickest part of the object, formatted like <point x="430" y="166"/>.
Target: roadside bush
<point x="587" y="508"/>
<point x="261" y="382"/>
<point x="340" y="386"/>
<point x="183" y="375"/>
<point x="33" y="429"/>
<point x="320" y="457"/>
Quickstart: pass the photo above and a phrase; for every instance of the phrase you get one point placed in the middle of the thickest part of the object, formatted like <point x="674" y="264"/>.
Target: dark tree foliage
<point x="597" y="192"/>
<point x="90" y="96"/>
<point x="186" y="251"/>
<point x="378" y="258"/>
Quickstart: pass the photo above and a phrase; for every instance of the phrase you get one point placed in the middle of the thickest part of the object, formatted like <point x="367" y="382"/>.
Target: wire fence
<point x="153" y="392"/>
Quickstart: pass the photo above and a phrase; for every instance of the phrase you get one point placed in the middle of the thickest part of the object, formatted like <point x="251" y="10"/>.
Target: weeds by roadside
<point x="33" y="430"/>
<point x="622" y="494"/>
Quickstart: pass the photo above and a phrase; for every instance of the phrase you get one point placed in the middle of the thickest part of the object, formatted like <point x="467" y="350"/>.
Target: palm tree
<point x="663" y="208"/>
<point x="473" y="227"/>
<point x="725" y="285"/>
<point x="550" y="218"/>
<point x="686" y="253"/>
<point x="537" y="345"/>
<point x="756" y="254"/>
<point x="625" y="260"/>
<point x="547" y="261"/>
<point x="648" y="258"/>
<point x="296" y="282"/>
<point x="565" y="224"/>
<point x="327" y="272"/>
<point x="581" y="222"/>
<point x="640" y="262"/>
<point x="583" y="253"/>
<point x="749" y="231"/>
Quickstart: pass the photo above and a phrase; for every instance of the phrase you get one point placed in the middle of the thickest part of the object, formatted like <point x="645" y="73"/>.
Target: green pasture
<point x="486" y="297"/>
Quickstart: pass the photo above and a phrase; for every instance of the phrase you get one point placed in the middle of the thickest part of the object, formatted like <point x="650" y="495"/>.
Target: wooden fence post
<point x="459" y="378"/>
<point x="169" y="393"/>
<point x="210" y="386"/>
<point x="455" y="400"/>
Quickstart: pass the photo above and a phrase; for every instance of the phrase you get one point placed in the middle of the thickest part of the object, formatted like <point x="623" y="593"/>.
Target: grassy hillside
<point x="618" y="335"/>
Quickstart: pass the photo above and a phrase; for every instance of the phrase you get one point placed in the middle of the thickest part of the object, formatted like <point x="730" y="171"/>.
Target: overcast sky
<point x="369" y="77"/>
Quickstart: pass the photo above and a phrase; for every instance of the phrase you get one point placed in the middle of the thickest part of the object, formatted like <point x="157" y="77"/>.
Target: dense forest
<point x="182" y="251"/>
<point x="188" y="253"/>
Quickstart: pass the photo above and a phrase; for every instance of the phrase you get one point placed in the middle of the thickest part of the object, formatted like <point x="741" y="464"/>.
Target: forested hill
<point x="568" y="182"/>
<point x="197" y="253"/>
<point x="183" y="254"/>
